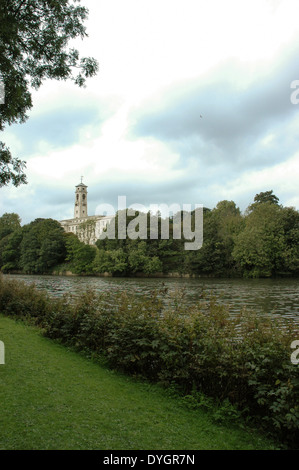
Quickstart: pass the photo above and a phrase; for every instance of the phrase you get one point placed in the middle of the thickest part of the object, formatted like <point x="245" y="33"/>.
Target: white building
<point x="87" y="228"/>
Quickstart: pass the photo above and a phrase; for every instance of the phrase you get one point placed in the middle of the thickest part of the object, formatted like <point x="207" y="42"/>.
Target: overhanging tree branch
<point x="33" y="46"/>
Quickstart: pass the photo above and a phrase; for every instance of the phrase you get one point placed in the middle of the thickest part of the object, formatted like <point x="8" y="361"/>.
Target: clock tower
<point x="88" y="228"/>
<point x="80" y="200"/>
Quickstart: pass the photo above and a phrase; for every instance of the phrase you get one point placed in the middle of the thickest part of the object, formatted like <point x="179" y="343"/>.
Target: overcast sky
<point x="191" y="105"/>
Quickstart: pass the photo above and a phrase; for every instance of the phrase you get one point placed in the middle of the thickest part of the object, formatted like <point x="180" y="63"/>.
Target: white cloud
<point x="281" y="178"/>
<point x="144" y="48"/>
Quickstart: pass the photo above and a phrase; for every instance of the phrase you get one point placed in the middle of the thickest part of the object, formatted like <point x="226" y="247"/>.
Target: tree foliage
<point x="261" y="198"/>
<point x="33" y="248"/>
<point x="8" y="224"/>
<point x="260" y="245"/>
<point x="78" y="255"/>
<point x="263" y="242"/>
<point x="34" y="37"/>
<point x="268" y="244"/>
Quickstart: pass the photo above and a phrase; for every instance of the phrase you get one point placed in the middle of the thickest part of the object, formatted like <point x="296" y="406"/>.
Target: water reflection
<point x="277" y="296"/>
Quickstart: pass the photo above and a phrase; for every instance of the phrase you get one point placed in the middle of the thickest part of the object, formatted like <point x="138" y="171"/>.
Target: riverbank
<point x="157" y="275"/>
<point x="196" y="350"/>
<point x="137" y="275"/>
<point x="265" y="296"/>
<point x="67" y="401"/>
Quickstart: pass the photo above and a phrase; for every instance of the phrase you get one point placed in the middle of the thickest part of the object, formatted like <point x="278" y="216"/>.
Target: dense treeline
<point x="263" y="242"/>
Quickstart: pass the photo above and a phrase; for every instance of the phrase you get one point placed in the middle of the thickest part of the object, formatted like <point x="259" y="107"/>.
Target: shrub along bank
<point x="242" y="360"/>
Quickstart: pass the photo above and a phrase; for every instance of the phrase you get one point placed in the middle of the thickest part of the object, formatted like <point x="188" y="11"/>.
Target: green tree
<point x="34" y="37"/>
<point x="9" y="223"/>
<point x="290" y="224"/>
<point x="101" y="262"/>
<point x="229" y="224"/>
<point x="260" y="198"/>
<point x="79" y="255"/>
<point x="42" y="246"/>
<point x="260" y="246"/>
<point x="111" y="261"/>
<point x="140" y="261"/>
<point x="29" y="253"/>
<point x="52" y="251"/>
<point x="10" y="251"/>
<point x="209" y="258"/>
<point x="11" y="169"/>
<point x="220" y="227"/>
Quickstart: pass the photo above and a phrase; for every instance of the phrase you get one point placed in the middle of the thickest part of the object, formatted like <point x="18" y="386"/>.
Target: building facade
<point x="87" y="228"/>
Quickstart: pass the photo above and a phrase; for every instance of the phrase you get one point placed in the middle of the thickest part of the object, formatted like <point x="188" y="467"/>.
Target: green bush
<point x="242" y="361"/>
<point x="22" y="301"/>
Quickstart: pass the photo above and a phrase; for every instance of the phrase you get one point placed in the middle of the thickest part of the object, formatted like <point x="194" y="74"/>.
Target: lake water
<point x="277" y="296"/>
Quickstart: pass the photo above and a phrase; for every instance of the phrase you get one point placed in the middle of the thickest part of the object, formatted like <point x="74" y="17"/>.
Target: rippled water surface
<point x="279" y="296"/>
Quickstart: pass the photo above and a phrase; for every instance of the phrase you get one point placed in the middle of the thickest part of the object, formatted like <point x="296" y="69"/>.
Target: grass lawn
<point x="54" y="398"/>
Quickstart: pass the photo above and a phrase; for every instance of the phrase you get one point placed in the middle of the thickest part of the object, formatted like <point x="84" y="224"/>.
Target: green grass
<point x="53" y="398"/>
